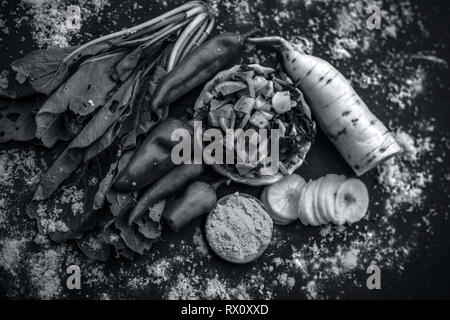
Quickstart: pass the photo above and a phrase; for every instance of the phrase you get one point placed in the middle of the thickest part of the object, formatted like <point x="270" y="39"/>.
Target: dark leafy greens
<point x="87" y="89"/>
<point x="94" y="96"/>
<point x="17" y="119"/>
<point x="34" y="69"/>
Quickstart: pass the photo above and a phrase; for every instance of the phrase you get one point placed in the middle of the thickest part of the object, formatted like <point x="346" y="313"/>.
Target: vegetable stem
<point x="246" y="35"/>
<point x="217" y="184"/>
<point x="190" y="40"/>
<point x="170" y="183"/>
<point x="194" y="39"/>
<point x="163" y="23"/>
<point x="147" y="38"/>
<point x="183" y="39"/>
<point x="194" y="11"/>
<point x="164" y="34"/>
<point x="207" y="31"/>
<point x="276" y="42"/>
<point x="186" y="7"/>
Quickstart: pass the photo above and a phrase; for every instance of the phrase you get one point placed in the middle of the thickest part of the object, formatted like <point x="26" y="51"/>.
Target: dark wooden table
<point x="422" y="273"/>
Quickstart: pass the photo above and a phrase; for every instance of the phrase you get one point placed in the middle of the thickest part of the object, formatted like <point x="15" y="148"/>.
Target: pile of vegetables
<point x="330" y="199"/>
<point x="333" y="199"/>
<point x="199" y="67"/>
<point x="361" y="138"/>
<point x="108" y="99"/>
<point x="255" y="97"/>
<point x="97" y="97"/>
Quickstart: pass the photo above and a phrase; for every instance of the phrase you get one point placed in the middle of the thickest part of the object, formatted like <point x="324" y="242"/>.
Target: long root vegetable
<point x="184" y="38"/>
<point x="151" y="160"/>
<point x="198" y="199"/>
<point x="198" y="66"/>
<point x="361" y="138"/>
<point x="199" y="37"/>
<point x="165" y="187"/>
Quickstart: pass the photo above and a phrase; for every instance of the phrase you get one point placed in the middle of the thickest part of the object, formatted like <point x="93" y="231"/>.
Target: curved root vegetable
<point x="361" y="138"/>
<point x="198" y="67"/>
<point x="198" y="199"/>
<point x="151" y="160"/>
<point x="203" y="32"/>
<point x="183" y="39"/>
<point x="166" y="186"/>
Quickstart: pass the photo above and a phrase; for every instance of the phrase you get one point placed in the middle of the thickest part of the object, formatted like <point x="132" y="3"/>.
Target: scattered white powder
<point x="72" y="195"/>
<point x="351" y="31"/>
<point x="55" y="22"/>
<point x="353" y="34"/>
<point x="45" y="268"/>
<point x="50" y="214"/>
<point x="159" y="271"/>
<point x="285" y="281"/>
<point x="105" y="296"/>
<point x="94" y="275"/>
<point x="95" y="242"/>
<point x="184" y="289"/>
<point x="4" y="79"/>
<point x="316" y="258"/>
<point x="3" y="213"/>
<point x="18" y="165"/>
<point x="200" y="243"/>
<point x="41" y="240"/>
<point x="197" y="287"/>
<point x="311" y="290"/>
<point x="11" y="254"/>
<point x="404" y="94"/>
<point x="324" y="262"/>
<point x="403" y="177"/>
<point x="138" y="282"/>
<point x="332" y="261"/>
<point x="431" y="58"/>
<point x="48" y="220"/>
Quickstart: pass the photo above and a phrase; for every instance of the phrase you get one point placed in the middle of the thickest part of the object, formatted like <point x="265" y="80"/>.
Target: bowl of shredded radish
<point x="253" y="100"/>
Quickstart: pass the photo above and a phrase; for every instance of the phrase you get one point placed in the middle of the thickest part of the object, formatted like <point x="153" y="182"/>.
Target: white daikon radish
<point x="361" y="138"/>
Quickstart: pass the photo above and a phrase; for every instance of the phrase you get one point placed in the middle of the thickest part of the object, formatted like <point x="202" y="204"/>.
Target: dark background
<point x="426" y="274"/>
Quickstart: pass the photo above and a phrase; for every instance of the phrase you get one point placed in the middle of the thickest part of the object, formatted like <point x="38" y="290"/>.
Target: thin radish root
<point x="131" y="31"/>
<point x="275" y="42"/>
<point x="207" y="32"/>
<point x="184" y="38"/>
<point x="198" y="33"/>
<point x="360" y="137"/>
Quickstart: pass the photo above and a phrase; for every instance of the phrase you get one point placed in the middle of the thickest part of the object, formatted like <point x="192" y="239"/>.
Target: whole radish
<point x="361" y="138"/>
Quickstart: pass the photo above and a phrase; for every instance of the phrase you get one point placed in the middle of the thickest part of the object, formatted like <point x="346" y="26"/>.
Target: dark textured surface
<point x="426" y="273"/>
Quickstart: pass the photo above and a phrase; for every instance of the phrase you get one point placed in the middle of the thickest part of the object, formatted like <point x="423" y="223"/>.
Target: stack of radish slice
<point x="331" y="198"/>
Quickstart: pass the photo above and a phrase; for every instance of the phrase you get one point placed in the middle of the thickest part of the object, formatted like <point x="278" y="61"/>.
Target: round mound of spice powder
<point x="238" y="228"/>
